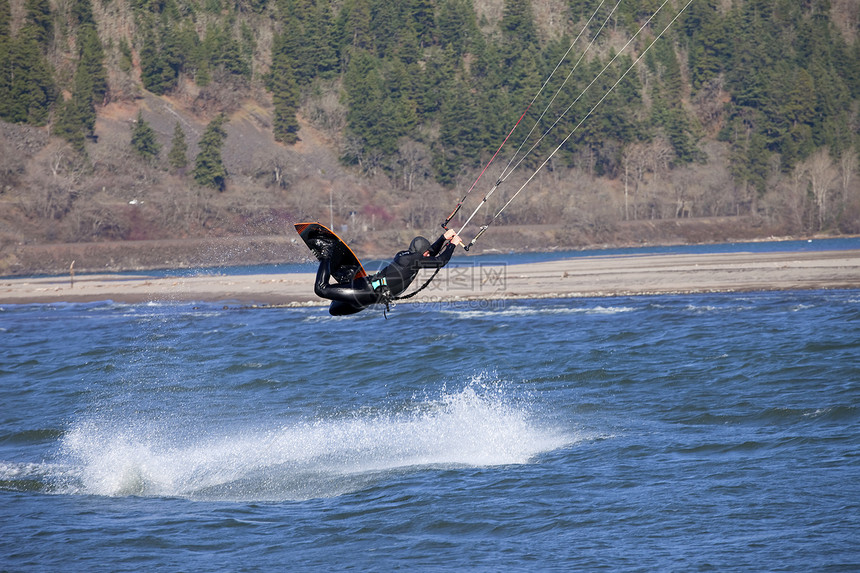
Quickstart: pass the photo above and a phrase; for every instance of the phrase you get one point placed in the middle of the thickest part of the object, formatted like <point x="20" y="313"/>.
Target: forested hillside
<point x="172" y="119"/>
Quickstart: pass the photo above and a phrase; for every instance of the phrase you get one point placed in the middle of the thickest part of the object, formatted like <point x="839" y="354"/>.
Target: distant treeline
<point x="435" y="85"/>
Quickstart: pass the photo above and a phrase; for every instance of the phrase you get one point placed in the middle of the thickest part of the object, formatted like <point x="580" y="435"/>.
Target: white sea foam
<point x="327" y="456"/>
<point x="524" y="311"/>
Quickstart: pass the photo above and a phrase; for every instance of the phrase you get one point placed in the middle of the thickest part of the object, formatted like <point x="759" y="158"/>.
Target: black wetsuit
<point x="391" y="281"/>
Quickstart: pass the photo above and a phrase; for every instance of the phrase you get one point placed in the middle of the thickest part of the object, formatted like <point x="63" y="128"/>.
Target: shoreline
<point x="592" y="276"/>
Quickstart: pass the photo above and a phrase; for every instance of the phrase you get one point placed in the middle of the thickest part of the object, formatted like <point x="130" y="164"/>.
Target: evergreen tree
<point x="386" y="23"/>
<point x="519" y="32"/>
<point x="27" y="88"/>
<point x="177" y="157"/>
<point x="285" y="96"/>
<point x="5" y="21"/>
<point x="5" y="71"/>
<point x="363" y="90"/>
<point x="518" y="25"/>
<point x="423" y="18"/>
<point x="322" y="31"/>
<point x="26" y="84"/>
<point x="177" y="43"/>
<point x="667" y="112"/>
<point x="69" y="124"/>
<point x="456" y="25"/>
<point x="408" y="51"/>
<point x="789" y="112"/>
<point x="355" y="21"/>
<point x="82" y="12"/>
<point x="751" y="55"/>
<point x="209" y="170"/>
<point x="459" y="139"/>
<point x="708" y="51"/>
<point x="78" y="114"/>
<point x="223" y="51"/>
<point x="144" y="140"/>
<point x="77" y="117"/>
<point x="438" y="71"/>
<point x="168" y="49"/>
<point x="39" y="23"/>
<point x="155" y="74"/>
<point x="91" y="63"/>
<point x="852" y="72"/>
<point x="282" y="83"/>
<point x="751" y="160"/>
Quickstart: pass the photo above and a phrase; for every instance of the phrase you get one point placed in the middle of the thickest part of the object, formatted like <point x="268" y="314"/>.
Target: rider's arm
<point x="449" y="235"/>
<point x="438" y="261"/>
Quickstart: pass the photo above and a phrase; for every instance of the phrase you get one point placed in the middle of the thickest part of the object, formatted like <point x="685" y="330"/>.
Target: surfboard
<point x="345" y="266"/>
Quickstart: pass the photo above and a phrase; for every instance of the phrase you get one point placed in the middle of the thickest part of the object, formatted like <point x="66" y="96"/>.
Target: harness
<point x="380" y="286"/>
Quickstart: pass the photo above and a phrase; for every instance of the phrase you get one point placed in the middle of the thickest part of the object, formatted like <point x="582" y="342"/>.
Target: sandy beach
<point x="574" y="277"/>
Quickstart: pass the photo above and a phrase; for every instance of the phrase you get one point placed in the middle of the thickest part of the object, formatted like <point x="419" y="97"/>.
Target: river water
<point x="655" y="433"/>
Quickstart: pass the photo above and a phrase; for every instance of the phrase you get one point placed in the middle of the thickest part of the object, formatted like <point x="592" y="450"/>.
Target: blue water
<point x="714" y="432"/>
<point x="461" y="259"/>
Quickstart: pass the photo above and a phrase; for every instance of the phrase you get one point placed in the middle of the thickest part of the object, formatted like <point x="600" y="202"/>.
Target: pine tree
<point x="438" y="71"/>
<point x="459" y="140"/>
<point x="321" y="31"/>
<point x="77" y="117"/>
<point x="5" y="62"/>
<point x="456" y="25"/>
<point x="387" y="25"/>
<point x="209" y="170"/>
<point x="285" y="96"/>
<point x="423" y="17"/>
<point x="83" y="115"/>
<point x="225" y="51"/>
<point x="5" y="21"/>
<point x="853" y="69"/>
<point x="27" y="88"/>
<point x="519" y="32"/>
<point x="363" y="89"/>
<point x="27" y="84"/>
<point x="667" y="111"/>
<point x="300" y="46"/>
<point x="708" y="43"/>
<point x="177" y="158"/>
<point x="153" y="68"/>
<point x="39" y="22"/>
<point x="91" y="62"/>
<point x="144" y="140"/>
<point x="285" y="91"/>
<point x="357" y="24"/>
<point x="228" y="54"/>
<point x="69" y="124"/>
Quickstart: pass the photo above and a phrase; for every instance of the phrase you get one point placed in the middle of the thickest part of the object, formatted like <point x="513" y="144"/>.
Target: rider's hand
<point x="453" y="237"/>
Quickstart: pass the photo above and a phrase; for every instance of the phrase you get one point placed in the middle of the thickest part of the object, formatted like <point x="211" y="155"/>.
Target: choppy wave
<point x="303" y="459"/>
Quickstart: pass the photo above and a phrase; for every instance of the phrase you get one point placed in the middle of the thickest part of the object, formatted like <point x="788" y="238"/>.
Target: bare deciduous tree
<point x="272" y="167"/>
<point x="325" y="110"/>
<point x="635" y="164"/>
<point x="11" y="166"/>
<point x="822" y="177"/>
<point x="413" y="163"/>
<point x="708" y="103"/>
<point x="638" y="160"/>
<point x="847" y="170"/>
<point x="64" y="162"/>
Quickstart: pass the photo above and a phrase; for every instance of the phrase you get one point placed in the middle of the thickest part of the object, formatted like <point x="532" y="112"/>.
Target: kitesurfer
<point x="391" y="281"/>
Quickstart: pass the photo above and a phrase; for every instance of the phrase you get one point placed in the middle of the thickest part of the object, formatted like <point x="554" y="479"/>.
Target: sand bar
<point x="574" y="277"/>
